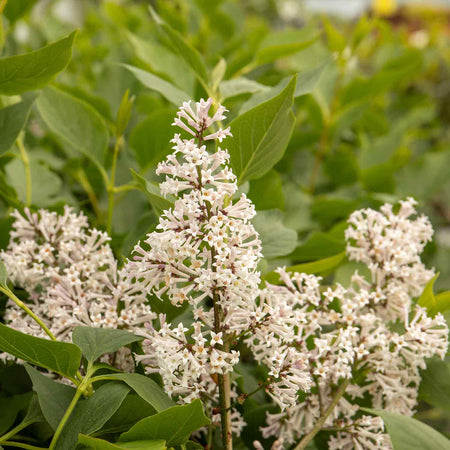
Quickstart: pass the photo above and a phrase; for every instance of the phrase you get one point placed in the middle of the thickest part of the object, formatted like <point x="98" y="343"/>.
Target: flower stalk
<point x="319" y="424"/>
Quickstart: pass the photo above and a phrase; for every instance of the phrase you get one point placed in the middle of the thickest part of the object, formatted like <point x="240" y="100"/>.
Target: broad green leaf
<point x="94" y="342"/>
<point x="15" y="9"/>
<point x="146" y="388"/>
<point x="150" y="139"/>
<point x="162" y="61"/>
<point x="432" y="171"/>
<point x="175" y="425"/>
<point x="12" y="119"/>
<point x="75" y="122"/>
<point x="277" y="240"/>
<point x="132" y="409"/>
<point x="389" y="77"/>
<point x="10" y="408"/>
<point x="157" y="201"/>
<point x="167" y="90"/>
<point x="60" y="357"/>
<point x="383" y="148"/>
<point x="238" y="86"/>
<point x="322" y="265"/>
<point x="336" y="40"/>
<point x="261" y="135"/>
<point x="407" y="433"/>
<point x="435" y="384"/>
<point x="189" y="54"/>
<point x="34" y="70"/>
<point x="100" y="444"/>
<point x="328" y="209"/>
<point x="427" y="298"/>
<point x="275" y="52"/>
<point x="318" y="245"/>
<point x="267" y="192"/>
<point x="45" y="184"/>
<point x="442" y="301"/>
<point x="3" y="274"/>
<point x="34" y="412"/>
<point x="218" y="73"/>
<point x="306" y="82"/>
<point x="91" y="414"/>
<point x="54" y="398"/>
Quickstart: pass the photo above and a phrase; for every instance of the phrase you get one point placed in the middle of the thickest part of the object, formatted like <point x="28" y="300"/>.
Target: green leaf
<point x="163" y="62"/>
<point x="218" y="73"/>
<point x="267" y="192"/>
<point x="175" y="425"/>
<point x="45" y="184"/>
<point x="322" y="265"/>
<point x="261" y="135"/>
<point x="34" y="412"/>
<point x="3" y="274"/>
<point x="443" y="301"/>
<point x="34" y="70"/>
<point x="306" y="82"/>
<point x="166" y="89"/>
<point x="74" y="121"/>
<point x="59" y="357"/>
<point x="157" y="201"/>
<point x="94" y="342"/>
<point x="54" y="398"/>
<point x="150" y="139"/>
<point x="273" y="53"/>
<point x="277" y="240"/>
<point x="91" y="414"/>
<point x="100" y="444"/>
<point x="15" y="9"/>
<point x="407" y="433"/>
<point x="427" y="298"/>
<point x="188" y="53"/>
<point x="435" y="384"/>
<point x="132" y="409"/>
<point x="10" y="408"/>
<point x="318" y="245"/>
<point x="146" y="388"/>
<point x="336" y="41"/>
<point x="238" y="86"/>
<point x="12" y="119"/>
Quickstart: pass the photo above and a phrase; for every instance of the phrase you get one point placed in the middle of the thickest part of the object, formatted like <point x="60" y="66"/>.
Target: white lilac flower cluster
<point x="370" y="332"/>
<point x="322" y="345"/>
<point x="204" y="252"/>
<point x="71" y="277"/>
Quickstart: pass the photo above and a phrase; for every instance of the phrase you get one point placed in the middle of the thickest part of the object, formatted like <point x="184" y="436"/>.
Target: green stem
<point x="319" y="425"/>
<point x="26" y="163"/>
<point x="79" y="392"/>
<point x="112" y="180"/>
<point x="15" y="430"/>
<point x="23" y="306"/>
<point x="85" y="183"/>
<point x="22" y="445"/>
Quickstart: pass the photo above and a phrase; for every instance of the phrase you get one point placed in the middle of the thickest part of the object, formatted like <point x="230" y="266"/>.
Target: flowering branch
<point x="319" y="424"/>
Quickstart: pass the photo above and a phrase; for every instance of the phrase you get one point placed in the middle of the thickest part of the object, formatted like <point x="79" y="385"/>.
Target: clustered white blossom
<point x="366" y="341"/>
<point x="71" y="277"/>
<point x="204" y="252"/>
<point x="349" y="334"/>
